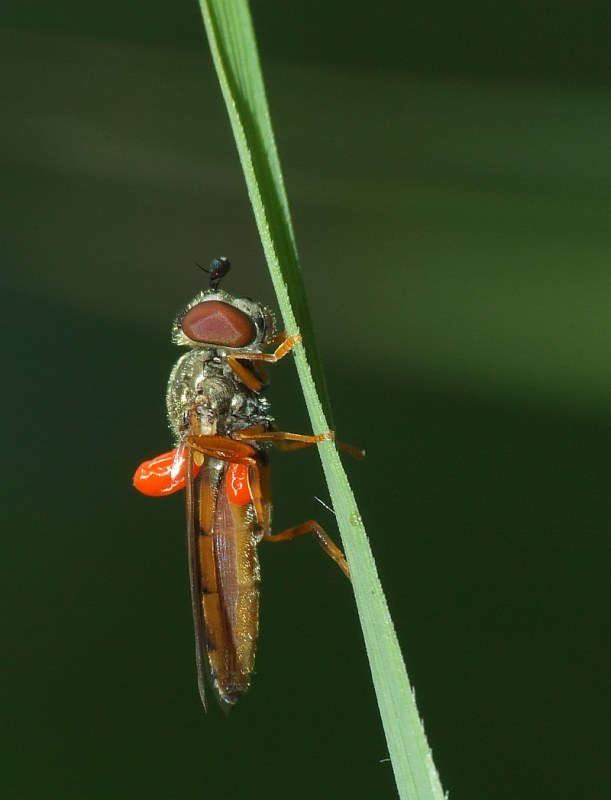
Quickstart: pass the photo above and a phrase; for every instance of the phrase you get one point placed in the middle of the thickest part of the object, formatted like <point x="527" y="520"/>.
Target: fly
<point x="222" y="426"/>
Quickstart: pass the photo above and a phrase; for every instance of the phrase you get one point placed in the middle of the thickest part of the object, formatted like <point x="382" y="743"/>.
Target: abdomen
<point x="229" y="581"/>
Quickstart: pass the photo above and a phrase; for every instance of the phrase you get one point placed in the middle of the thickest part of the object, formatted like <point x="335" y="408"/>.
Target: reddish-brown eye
<point x="215" y="322"/>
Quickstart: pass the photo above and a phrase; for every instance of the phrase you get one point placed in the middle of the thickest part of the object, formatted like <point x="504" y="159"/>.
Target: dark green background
<point x="449" y="169"/>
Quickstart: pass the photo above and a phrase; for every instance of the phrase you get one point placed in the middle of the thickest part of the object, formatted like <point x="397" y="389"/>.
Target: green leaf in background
<point x="234" y="51"/>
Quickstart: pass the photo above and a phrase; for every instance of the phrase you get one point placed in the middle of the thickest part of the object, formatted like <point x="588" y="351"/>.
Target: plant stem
<point x="232" y="42"/>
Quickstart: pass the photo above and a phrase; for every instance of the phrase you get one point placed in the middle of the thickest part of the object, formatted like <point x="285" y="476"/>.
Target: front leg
<point x="246" y="376"/>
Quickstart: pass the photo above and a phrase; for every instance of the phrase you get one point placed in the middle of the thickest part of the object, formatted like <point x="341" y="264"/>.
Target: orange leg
<point x="223" y="448"/>
<point x="288" y="446"/>
<point x="285" y="347"/>
<point x="355" y="452"/>
<point x="247" y="377"/>
<point x="294" y="441"/>
<point x="260" y="494"/>
<point x="258" y="434"/>
<point x="327" y="544"/>
<point x="279" y="338"/>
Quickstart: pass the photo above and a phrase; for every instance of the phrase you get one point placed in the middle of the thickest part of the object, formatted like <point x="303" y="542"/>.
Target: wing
<point x="224" y="571"/>
<point x="195" y="580"/>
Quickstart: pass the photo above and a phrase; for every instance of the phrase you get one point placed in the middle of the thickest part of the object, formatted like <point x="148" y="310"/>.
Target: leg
<point x="221" y="447"/>
<point x="246" y="376"/>
<point x="298" y="440"/>
<point x="286" y="445"/>
<point x="355" y="452"/>
<point x="287" y="344"/>
<point x="294" y="441"/>
<point x="279" y="338"/>
<point x="327" y="544"/>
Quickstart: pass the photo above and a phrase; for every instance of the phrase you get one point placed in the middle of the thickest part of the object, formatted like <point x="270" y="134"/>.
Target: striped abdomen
<point x="225" y="577"/>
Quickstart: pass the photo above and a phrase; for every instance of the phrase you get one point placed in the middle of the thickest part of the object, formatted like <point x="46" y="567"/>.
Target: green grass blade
<point x="232" y="41"/>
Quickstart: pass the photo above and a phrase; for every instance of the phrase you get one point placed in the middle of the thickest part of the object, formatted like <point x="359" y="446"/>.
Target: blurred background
<point x="449" y="171"/>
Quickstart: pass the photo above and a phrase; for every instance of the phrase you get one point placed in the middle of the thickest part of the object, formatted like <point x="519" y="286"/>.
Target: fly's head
<point x="216" y="319"/>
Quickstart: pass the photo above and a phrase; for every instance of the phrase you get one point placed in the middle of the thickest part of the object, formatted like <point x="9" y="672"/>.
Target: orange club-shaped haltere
<point x="222" y="427"/>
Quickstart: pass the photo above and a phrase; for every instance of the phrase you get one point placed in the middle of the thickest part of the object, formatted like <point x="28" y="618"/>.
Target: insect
<point x="222" y="426"/>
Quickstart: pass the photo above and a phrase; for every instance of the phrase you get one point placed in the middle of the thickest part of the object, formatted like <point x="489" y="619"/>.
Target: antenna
<point x="219" y="267"/>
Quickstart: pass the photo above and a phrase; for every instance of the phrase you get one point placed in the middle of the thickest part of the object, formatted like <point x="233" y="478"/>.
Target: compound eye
<point x="218" y="323"/>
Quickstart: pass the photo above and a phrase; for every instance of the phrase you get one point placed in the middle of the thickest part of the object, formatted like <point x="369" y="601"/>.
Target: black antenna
<point x="219" y="267"/>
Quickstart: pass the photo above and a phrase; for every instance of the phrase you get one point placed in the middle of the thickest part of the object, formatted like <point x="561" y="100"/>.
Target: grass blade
<point x="232" y="42"/>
